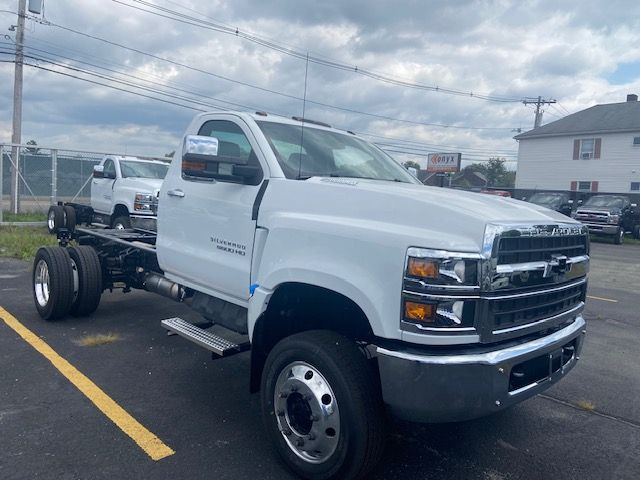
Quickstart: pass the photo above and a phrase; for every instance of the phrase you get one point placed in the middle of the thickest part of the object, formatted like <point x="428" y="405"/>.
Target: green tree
<point x="495" y="171"/>
<point x="411" y="164"/>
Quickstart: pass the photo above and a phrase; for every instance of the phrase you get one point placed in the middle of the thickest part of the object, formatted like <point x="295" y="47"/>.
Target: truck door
<point x="206" y="227"/>
<point x="102" y="188"/>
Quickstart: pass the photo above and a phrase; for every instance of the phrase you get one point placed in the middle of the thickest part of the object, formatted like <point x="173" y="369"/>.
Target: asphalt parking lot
<point x="203" y="411"/>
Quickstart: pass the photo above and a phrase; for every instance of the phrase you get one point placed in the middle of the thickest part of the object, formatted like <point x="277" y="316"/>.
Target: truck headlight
<point x="436" y="288"/>
<point x="144" y="202"/>
<point x="613" y="219"/>
<point x="443" y="271"/>
<point x="439" y="314"/>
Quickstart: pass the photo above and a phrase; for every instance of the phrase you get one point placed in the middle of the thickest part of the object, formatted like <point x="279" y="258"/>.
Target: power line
<point x="411" y="144"/>
<point x="322" y="104"/>
<point x="282" y="48"/>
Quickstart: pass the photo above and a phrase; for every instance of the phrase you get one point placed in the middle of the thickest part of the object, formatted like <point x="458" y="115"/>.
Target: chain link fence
<point x="32" y="178"/>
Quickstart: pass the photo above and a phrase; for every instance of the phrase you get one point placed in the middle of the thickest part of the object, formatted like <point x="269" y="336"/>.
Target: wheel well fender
<point x="297" y="307"/>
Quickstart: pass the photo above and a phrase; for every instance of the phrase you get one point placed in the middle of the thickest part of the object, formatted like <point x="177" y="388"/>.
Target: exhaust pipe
<point x="158" y="284"/>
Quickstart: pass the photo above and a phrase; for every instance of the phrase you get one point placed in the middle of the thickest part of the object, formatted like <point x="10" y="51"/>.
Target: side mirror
<point x="98" y="171"/>
<point x="207" y="158"/>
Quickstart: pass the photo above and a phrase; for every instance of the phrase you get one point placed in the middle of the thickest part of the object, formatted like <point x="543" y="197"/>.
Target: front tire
<point x="619" y="238"/>
<point x="322" y="406"/>
<point x="53" y="282"/>
<point x="121" y="223"/>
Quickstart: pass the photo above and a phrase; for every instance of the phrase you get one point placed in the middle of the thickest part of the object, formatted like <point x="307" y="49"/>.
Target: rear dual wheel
<point x="59" y="217"/>
<point x="66" y="280"/>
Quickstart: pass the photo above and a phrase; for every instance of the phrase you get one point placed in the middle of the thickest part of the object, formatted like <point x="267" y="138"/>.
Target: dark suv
<point x="610" y="215"/>
<point x="559" y="202"/>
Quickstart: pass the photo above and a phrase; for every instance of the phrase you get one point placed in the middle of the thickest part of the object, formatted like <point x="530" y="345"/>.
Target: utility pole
<point x="538" y="102"/>
<point x="16" y="136"/>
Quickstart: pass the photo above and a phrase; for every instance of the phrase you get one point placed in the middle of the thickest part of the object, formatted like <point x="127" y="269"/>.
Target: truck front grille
<point x="506" y="315"/>
<point x="532" y="249"/>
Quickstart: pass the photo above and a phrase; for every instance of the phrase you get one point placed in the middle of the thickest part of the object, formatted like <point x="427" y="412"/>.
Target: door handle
<point x="175" y="193"/>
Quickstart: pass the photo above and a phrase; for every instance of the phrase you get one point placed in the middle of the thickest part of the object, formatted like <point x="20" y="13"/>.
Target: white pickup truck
<point x="124" y="190"/>
<point x="358" y="290"/>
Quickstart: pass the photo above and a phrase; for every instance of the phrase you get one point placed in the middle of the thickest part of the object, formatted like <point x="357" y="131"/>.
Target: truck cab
<point x="124" y="190"/>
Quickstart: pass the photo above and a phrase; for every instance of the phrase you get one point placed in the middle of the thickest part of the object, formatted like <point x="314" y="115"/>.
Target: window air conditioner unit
<point x="586" y="156"/>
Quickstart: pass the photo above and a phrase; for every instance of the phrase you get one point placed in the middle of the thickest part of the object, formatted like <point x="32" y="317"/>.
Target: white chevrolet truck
<point x="358" y="291"/>
<point x="124" y="190"/>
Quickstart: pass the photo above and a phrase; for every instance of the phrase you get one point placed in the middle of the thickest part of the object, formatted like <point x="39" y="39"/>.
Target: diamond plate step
<point x="214" y="343"/>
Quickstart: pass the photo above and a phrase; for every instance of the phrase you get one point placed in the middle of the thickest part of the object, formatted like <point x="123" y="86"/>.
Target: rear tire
<point x="322" y="406"/>
<point x="55" y="218"/>
<point x="69" y="218"/>
<point x="89" y="280"/>
<point x="121" y="223"/>
<point x="52" y="282"/>
<point x="619" y="238"/>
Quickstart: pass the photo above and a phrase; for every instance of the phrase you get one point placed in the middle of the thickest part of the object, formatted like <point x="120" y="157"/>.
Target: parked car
<point x="560" y="202"/>
<point x="610" y="215"/>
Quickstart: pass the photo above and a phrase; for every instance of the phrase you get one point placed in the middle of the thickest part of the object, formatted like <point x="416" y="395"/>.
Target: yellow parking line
<point x="147" y="441"/>
<point x="603" y="299"/>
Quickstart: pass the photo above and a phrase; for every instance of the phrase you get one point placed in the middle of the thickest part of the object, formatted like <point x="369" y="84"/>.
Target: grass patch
<point x="23" y="217"/>
<point x="586" y="405"/>
<point x="98" y="339"/>
<point x="23" y="242"/>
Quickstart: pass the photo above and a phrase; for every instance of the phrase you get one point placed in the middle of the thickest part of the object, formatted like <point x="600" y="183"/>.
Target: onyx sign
<point x="443" y="162"/>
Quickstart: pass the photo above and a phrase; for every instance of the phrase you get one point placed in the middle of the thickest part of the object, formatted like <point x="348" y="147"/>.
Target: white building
<point x="594" y="150"/>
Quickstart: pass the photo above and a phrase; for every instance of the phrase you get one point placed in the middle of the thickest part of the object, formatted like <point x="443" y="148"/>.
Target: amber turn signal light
<point x="422" y="268"/>
<point x="419" y="311"/>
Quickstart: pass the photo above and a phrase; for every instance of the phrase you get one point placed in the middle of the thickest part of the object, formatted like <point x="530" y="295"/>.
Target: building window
<point x="636" y="141"/>
<point x="587" y="147"/>
<point x="584" y="186"/>
<point x="635" y="186"/>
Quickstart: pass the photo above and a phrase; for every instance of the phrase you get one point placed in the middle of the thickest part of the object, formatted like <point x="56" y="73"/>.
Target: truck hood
<point x="430" y="217"/>
<point x="143" y="185"/>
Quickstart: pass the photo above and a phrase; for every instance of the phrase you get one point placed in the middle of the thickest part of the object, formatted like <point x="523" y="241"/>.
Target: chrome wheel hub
<point x="41" y="283"/>
<point x="307" y="412"/>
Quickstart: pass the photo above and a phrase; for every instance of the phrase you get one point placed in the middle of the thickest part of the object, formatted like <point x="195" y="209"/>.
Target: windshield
<point x="143" y="169"/>
<point x="605" y="201"/>
<point x="546" y="198"/>
<point x="329" y="154"/>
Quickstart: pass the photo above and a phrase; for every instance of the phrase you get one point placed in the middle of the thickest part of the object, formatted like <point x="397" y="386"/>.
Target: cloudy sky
<point x="579" y="53"/>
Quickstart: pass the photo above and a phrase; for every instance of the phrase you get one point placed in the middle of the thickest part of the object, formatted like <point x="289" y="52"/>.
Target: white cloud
<point x="554" y="49"/>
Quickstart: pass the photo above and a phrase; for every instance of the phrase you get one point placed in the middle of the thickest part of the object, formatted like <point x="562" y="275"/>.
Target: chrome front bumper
<point x="605" y="229"/>
<point x="446" y="388"/>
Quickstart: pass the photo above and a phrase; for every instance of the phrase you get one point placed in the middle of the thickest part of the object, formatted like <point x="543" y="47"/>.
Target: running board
<point x="214" y="343"/>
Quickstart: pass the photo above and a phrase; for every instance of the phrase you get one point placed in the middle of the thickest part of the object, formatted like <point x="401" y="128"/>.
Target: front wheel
<point x="619" y="238"/>
<point x="322" y="406"/>
<point x="121" y="223"/>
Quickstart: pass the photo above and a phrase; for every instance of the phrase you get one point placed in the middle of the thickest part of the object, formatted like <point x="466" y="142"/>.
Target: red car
<point x="500" y="193"/>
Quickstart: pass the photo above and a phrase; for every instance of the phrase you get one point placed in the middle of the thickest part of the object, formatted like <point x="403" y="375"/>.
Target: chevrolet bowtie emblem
<point x="556" y="266"/>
